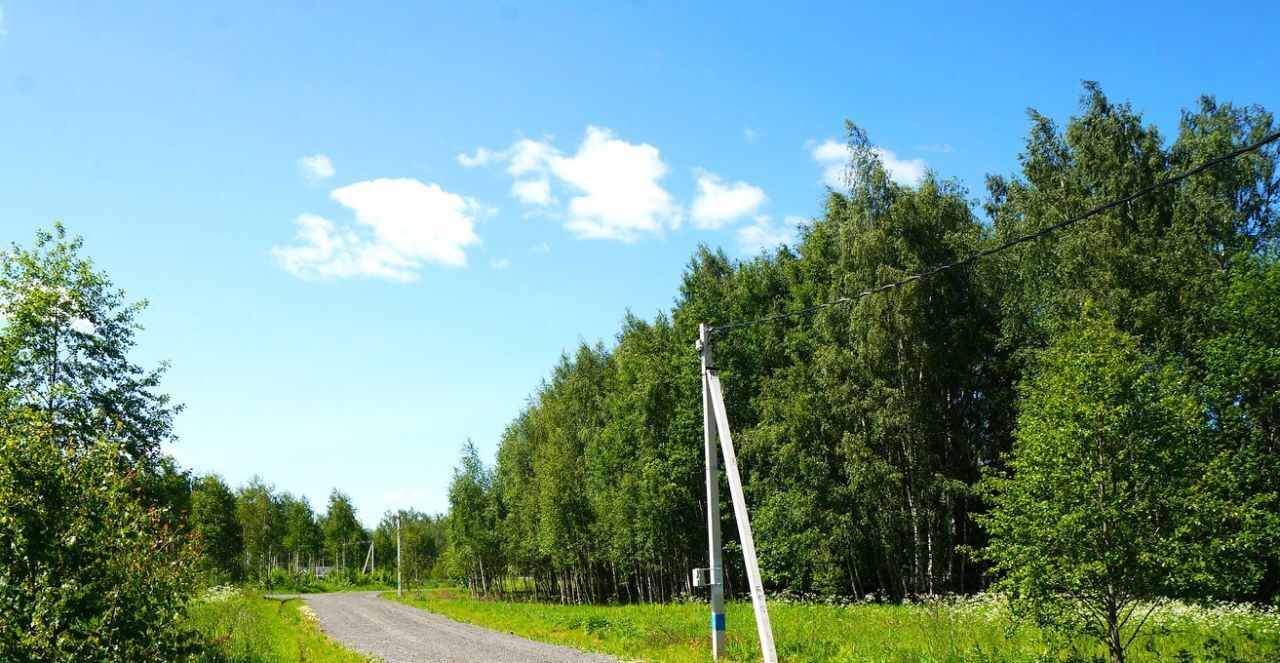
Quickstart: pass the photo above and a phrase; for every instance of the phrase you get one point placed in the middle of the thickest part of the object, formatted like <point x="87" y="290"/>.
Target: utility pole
<point x="715" y="575"/>
<point x="399" y="576"/>
<point x="716" y="423"/>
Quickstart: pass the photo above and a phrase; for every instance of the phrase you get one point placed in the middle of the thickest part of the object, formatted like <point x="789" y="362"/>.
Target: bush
<point x="88" y="572"/>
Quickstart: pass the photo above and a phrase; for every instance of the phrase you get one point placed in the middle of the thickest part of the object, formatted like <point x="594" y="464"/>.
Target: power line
<point x="718" y="330"/>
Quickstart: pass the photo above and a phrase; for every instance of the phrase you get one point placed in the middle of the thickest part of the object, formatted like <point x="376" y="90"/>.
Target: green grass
<point x="240" y="627"/>
<point x="972" y="630"/>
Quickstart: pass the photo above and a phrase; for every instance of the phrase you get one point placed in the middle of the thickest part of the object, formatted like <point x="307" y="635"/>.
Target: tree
<point x="1241" y="385"/>
<point x="301" y="538"/>
<point x="473" y="534"/>
<point x="420" y="544"/>
<point x="94" y="562"/>
<point x="1108" y="505"/>
<point x="64" y="351"/>
<point x="341" y="528"/>
<point x="261" y="524"/>
<point x="214" y="523"/>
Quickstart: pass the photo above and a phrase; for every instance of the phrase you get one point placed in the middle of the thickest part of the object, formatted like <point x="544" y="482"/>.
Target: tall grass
<point x="978" y="630"/>
<point x="239" y="627"/>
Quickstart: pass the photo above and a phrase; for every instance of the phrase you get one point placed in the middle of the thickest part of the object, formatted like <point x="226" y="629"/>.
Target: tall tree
<point x="342" y="530"/>
<point x="301" y="536"/>
<point x="261" y="525"/>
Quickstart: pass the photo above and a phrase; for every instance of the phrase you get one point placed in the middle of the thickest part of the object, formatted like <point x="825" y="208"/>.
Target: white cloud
<point x="500" y="263"/>
<point x="618" y="194"/>
<point x="536" y="191"/>
<point x="834" y="158"/>
<point x="400" y="225"/>
<point x="763" y="233"/>
<point x="3" y="33"/>
<point x="750" y="134"/>
<point x="530" y="162"/>
<point x="480" y="158"/>
<point x="316" y="167"/>
<point x="719" y="204"/>
<point x="612" y="186"/>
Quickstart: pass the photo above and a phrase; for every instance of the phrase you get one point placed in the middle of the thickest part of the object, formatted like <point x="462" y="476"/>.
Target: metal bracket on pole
<point x="716" y="420"/>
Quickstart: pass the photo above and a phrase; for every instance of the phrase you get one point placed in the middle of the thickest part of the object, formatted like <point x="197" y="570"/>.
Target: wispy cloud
<point x="718" y="204"/>
<point x="750" y="134"/>
<point x="3" y="32"/>
<point x="763" y="233"/>
<point x="939" y="148"/>
<point x="316" y="167"/>
<point x="610" y="188"/>
<point x="833" y="157"/>
<point x="400" y="225"/>
<point x="500" y="263"/>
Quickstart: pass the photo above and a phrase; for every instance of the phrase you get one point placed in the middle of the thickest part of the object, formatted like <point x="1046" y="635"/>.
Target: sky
<point x="367" y="231"/>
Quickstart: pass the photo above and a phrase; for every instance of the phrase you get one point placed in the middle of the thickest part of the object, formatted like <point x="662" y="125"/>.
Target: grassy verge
<point x="956" y="631"/>
<point x="240" y="627"/>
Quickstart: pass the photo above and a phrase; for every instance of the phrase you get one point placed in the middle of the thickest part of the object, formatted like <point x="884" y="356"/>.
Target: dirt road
<point x="399" y="634"/>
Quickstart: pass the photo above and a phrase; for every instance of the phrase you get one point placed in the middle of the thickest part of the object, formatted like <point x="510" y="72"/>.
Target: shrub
<point x="88" y="571"/>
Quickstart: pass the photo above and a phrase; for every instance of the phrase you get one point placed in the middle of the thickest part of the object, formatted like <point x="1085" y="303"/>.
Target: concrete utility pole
<point x="716" y="422"/>
<point x="399" y="576"/>
<point x="715" y="576"/>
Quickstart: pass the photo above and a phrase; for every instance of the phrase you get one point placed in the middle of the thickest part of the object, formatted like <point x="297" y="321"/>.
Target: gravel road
<point x="397" y="633"/>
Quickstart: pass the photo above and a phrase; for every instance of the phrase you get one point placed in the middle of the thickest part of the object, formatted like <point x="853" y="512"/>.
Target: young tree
<point x="473" y="535"/>
<point x="64" y="351"/>
<point x="213" y="521"/>
<point x="1108" y="505"/>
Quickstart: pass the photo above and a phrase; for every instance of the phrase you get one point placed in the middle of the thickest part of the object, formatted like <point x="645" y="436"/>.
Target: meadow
<point x="978" y="629"/>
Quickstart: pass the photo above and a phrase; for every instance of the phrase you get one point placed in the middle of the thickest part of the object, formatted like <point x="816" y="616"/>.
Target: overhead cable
<point x="720" y="329"/>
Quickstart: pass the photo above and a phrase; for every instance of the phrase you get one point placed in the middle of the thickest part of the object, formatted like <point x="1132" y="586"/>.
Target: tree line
<point x="257" y="534"/>
<point x="1091" y="414"/>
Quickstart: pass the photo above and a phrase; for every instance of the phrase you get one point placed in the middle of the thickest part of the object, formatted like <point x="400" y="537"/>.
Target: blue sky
<point x="367" y="230"/>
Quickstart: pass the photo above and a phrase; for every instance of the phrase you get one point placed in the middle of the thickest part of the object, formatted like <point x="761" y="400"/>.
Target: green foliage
<point x="1242" y="389"/>
<point x="1111" y="497"/>
<point x="88" y="572"/>
<point x="472" y="530"/>
<point x="422" y="544"/>
<point x="94" y="561"/>
<point x="342" y="531"/>
<point x="64" y="346"/>
<point x="213" y="521"/>
<point x="261" y="526"/>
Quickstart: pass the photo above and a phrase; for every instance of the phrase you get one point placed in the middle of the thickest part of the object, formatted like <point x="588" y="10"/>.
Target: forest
<point x="1088" y="422"/>
<point x="909" y="444"/>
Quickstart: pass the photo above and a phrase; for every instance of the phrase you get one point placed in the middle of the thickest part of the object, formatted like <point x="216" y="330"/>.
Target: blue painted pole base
<point x="717" y="622"/>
